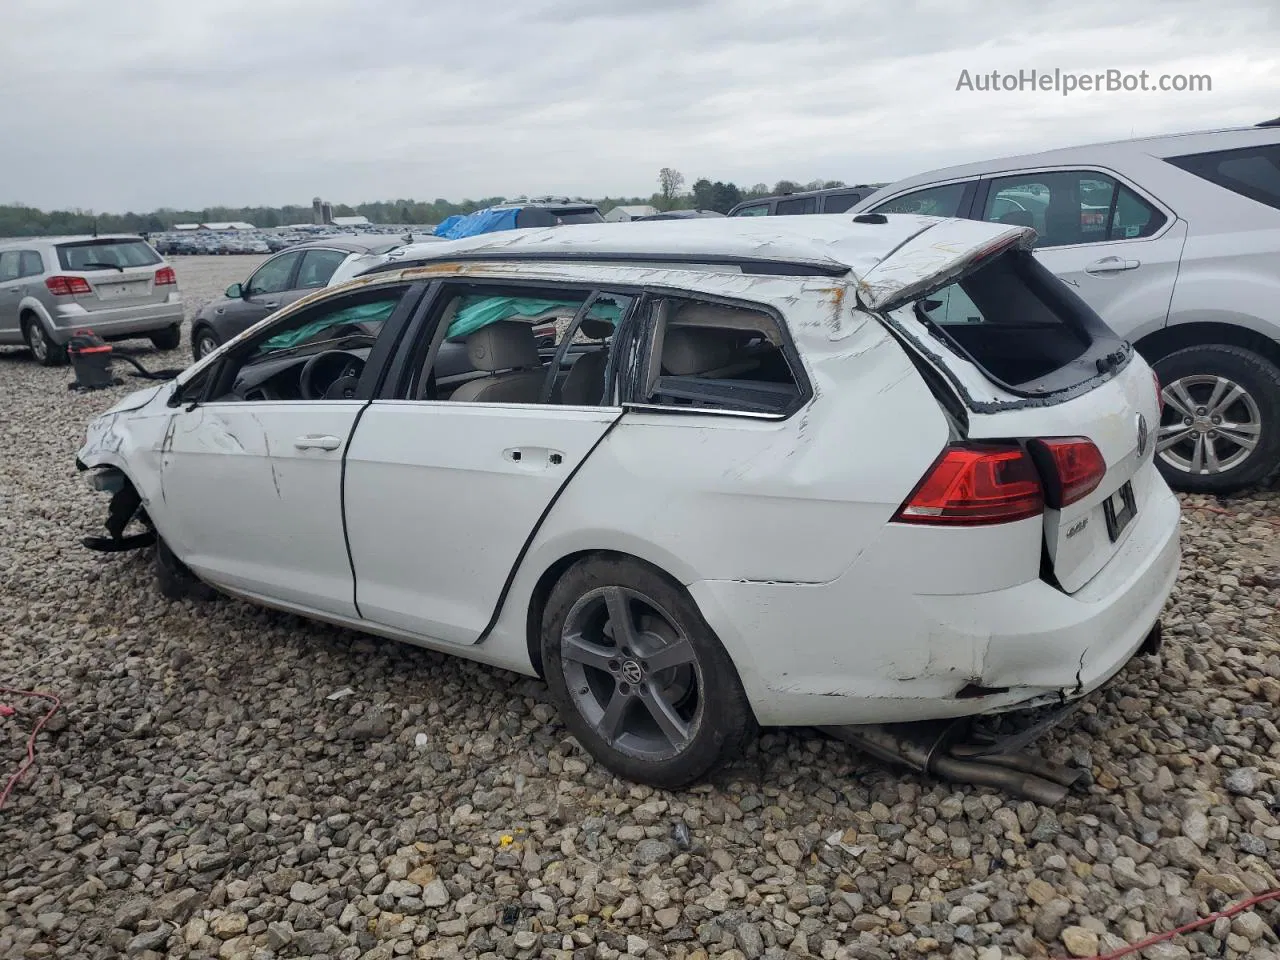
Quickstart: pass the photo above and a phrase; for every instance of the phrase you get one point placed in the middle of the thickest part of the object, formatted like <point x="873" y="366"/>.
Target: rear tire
<point x="46" y="352"/>
<point x="167" y="339"/>
<point x="1220" y="424"/>
<point x="174" y="580"/>
<point x="672" y="724"/>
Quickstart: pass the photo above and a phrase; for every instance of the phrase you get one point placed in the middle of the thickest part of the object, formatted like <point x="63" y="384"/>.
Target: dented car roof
<point x="918" y="247"/>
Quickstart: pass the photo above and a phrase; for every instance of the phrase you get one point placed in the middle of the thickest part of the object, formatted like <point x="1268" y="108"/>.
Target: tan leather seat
<point x="704" y="352"/>
<point x="508" y="352"/>
<point x="584" y="384"/>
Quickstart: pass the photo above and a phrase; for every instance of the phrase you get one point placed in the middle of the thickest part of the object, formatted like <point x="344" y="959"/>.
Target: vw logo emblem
<point x="631" y="672"/>
<point x="1143" y="435"/>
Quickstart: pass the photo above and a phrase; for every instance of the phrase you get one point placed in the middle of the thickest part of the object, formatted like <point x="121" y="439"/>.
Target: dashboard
<point x="327" y="375"/>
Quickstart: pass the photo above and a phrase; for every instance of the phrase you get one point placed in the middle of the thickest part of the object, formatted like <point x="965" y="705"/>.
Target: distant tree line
<point x="19" y="220"/>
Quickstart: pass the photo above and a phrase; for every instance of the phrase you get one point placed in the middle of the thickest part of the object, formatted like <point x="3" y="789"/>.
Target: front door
<point x="251" y="475"/>
<point x="260" y="487"/>
<point x="269" y="289"/>
<point x="1116" y="248"/>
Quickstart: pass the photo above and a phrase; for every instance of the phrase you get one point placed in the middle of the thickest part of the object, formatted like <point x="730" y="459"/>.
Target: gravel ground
<point x="202" y="794"/>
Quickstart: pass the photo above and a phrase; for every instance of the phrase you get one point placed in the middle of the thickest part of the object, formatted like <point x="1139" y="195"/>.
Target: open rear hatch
<point x="1037" y="371"/>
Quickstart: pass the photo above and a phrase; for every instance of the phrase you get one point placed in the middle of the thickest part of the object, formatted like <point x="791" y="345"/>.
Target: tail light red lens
<point x="1159" y="390"/>
<point x="165" y="275"/>
<point x="975" y="484"/>
<point x="1072" y="468"/>
<point x="67" y="286"/>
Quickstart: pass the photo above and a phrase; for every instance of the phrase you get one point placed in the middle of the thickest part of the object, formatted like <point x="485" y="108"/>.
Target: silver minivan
<point x="115" y="285"/>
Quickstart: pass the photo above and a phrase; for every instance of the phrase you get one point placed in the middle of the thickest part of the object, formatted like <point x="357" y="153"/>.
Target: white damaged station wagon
<point x="761" y="477"/>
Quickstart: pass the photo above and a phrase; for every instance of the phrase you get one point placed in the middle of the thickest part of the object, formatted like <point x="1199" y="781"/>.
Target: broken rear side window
<point x="720" y="357"/>
<point x="1021" y="325"/>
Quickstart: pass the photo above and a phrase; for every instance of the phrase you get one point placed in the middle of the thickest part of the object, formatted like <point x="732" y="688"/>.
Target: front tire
<point x="638" y="676"/>
<point x="46" y="352"/>
<point x="175" y="580"/>
<point x="167" y="339"/>
<point x="1220" y="424"/>
<point x="203" y="342"/>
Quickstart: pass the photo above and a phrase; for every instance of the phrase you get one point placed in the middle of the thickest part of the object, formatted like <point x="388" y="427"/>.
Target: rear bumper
<point x="864" y="649"/>
<point x="117" y="322"/>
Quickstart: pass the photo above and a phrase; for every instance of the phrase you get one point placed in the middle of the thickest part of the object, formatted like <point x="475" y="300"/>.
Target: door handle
<point x="533" y="458"/>
<point x="1112" y="265"/>
<point x="317" y="442"/>
<point x="271" y="303"/>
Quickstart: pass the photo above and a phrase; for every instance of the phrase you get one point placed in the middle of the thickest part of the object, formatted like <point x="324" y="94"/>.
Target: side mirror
<point x="235" y="292"/>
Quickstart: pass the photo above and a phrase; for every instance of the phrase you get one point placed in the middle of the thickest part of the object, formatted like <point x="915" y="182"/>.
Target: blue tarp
<point x="482" y="221"/>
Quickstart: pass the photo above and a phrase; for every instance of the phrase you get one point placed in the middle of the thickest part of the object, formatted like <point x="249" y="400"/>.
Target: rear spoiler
<point x="935" y="257"/>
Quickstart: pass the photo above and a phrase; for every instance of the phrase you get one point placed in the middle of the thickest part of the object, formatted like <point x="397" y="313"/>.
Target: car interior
<point x="498" y="348"/>
<point x="713" y="355"/>
<point x="319" y="357"/>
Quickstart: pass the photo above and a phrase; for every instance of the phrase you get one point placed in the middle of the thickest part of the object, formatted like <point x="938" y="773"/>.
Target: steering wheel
<point x="327" y="370"/>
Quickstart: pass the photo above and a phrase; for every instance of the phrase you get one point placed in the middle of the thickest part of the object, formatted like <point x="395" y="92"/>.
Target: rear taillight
<point x="1159" y="390"/>
<point x="1072" y="468"/>
<point x="165" y="275"/>
<point x="67" y="286"/>
<point x="975" y="484"/>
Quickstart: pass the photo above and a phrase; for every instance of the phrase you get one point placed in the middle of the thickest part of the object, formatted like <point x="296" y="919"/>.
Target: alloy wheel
<point x="205" y="345"/>
<point x="1209" y="424"/>
<point x="632" y="674"/>
<point x="37" y="341"/>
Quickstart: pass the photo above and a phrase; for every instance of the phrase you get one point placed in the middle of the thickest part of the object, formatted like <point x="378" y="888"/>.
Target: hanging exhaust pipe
<point x="933" y="749"/>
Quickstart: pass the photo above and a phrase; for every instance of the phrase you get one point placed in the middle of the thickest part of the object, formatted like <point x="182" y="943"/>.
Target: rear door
<point x="1030" y="359"/>
<point x="1118" y="248"/>
<point x="121" y="271"/>
<point x="443" y="494"/>
<point x="316" y="269"/>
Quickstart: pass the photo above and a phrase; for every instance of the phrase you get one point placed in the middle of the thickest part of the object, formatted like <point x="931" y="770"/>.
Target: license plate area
<point x="120" y="290"/>
<point x="1119" y="510"/>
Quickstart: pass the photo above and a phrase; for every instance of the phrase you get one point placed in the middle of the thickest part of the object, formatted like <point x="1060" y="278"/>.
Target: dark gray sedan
<point x="291" y="274"/>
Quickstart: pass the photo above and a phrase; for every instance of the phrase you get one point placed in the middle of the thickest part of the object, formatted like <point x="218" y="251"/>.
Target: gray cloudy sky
<point x="138" y="104"/>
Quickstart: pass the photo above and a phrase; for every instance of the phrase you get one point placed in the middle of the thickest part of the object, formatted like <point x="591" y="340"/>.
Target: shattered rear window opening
<point x="1019" y="324"/>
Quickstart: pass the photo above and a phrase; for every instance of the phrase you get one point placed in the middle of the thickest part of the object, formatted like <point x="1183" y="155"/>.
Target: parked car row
<point x="214" y="242"/>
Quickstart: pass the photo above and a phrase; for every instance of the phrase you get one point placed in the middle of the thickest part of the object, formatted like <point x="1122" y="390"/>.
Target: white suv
<point x="760" y="478"/>
<point x="1175" y="241"/>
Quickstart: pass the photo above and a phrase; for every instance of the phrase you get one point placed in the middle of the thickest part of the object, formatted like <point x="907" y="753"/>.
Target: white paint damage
<point x="778" y="527"/>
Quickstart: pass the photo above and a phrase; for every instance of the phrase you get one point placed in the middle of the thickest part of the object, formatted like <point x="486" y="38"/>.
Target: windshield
<point x="106" y="254"/>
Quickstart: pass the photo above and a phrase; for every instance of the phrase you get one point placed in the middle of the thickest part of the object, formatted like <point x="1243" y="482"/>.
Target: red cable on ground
<point x="31" y="741"/>
<point x="1240" y="907"/>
